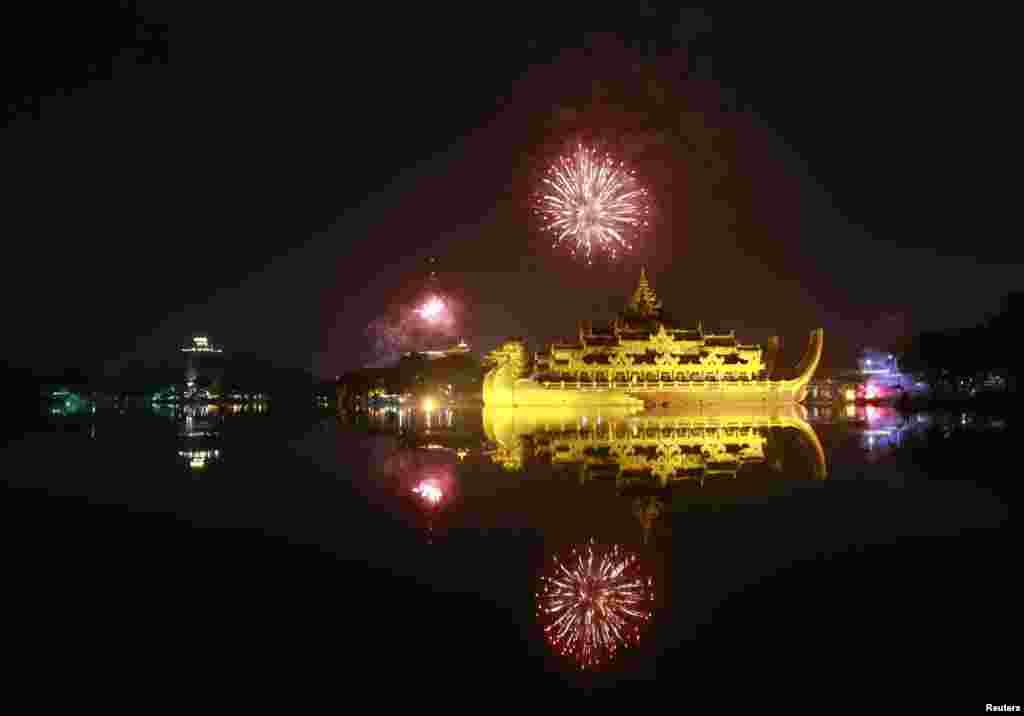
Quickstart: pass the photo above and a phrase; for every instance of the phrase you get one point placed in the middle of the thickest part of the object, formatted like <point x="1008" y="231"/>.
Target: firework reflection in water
<point x="430" y="492"/>
<point x="431" y="495"/>
<point x="594" y="602"/>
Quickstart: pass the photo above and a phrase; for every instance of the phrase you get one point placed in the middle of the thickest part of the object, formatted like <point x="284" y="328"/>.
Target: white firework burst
<point x="593" y="203"/>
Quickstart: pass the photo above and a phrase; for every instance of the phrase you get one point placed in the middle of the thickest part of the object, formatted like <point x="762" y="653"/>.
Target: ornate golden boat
<point x="643" y="359"/>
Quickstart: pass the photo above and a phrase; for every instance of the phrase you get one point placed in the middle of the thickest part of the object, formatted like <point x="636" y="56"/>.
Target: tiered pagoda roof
<point x="643" y="317"/>
<point x="645" y="303"/>
<point x="642" y="320"/>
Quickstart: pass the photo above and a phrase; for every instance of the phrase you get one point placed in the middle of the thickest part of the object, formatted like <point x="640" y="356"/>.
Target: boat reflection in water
<point x="698" y="443"/>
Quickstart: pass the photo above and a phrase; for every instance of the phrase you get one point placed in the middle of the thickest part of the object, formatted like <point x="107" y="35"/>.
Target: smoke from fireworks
<point x="593" y="603"/>
<point x="410" y="327"/>
<point x="592" y="203"/>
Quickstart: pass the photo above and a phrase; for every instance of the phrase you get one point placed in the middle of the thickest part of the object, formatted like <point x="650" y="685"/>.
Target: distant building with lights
<point x="460" y="348"/>
<point x="875" y="362"/>
<point x="876" y="378"/>
<point x="881" y="376"/>
<point x="204" y="368"/>
<point x="201" y="344"/>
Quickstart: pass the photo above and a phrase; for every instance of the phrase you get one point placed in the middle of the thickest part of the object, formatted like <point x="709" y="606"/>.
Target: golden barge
<point x="643" y="359"/>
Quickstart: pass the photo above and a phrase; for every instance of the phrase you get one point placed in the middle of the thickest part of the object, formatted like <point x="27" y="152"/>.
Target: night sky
<point x="279" y="178"/>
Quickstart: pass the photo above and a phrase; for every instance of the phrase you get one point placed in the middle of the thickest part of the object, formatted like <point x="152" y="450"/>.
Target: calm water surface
<point x="674" y="546"/>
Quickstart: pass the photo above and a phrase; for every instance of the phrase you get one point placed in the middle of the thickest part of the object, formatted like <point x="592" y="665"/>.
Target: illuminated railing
<point x="737" y="385"/>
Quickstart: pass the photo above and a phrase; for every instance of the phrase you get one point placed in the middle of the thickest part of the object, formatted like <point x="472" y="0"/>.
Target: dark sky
<point x="278" y="178"/>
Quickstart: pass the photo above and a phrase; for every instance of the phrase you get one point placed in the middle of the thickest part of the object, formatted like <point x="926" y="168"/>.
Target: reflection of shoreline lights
<point x="430" y="413"/>
<point x="593" y="603"/>
<point x="199" y="458"/>
<point x="430" y="492"/>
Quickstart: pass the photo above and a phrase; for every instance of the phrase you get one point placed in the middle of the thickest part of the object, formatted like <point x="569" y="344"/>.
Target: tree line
<point x="416" y="375"/>
<point x="947" y="357"/>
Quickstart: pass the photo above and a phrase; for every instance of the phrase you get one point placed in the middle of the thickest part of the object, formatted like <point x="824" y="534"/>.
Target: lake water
<point x="710" y="551"/>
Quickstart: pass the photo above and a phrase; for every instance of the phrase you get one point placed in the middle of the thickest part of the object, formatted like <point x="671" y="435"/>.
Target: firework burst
<point x="592" y="203"/>
<point x="593" y="603"/>
<point x="432" y="311"/>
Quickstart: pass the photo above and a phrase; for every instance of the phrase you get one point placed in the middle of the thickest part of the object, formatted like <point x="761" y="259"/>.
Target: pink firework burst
<point x="432" y="311"/>
<point x="592" y="203"/>
<point x="594" y="602"/>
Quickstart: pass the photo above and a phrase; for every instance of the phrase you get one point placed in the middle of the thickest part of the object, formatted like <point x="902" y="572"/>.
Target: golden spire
<point x="644" y="303"/>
